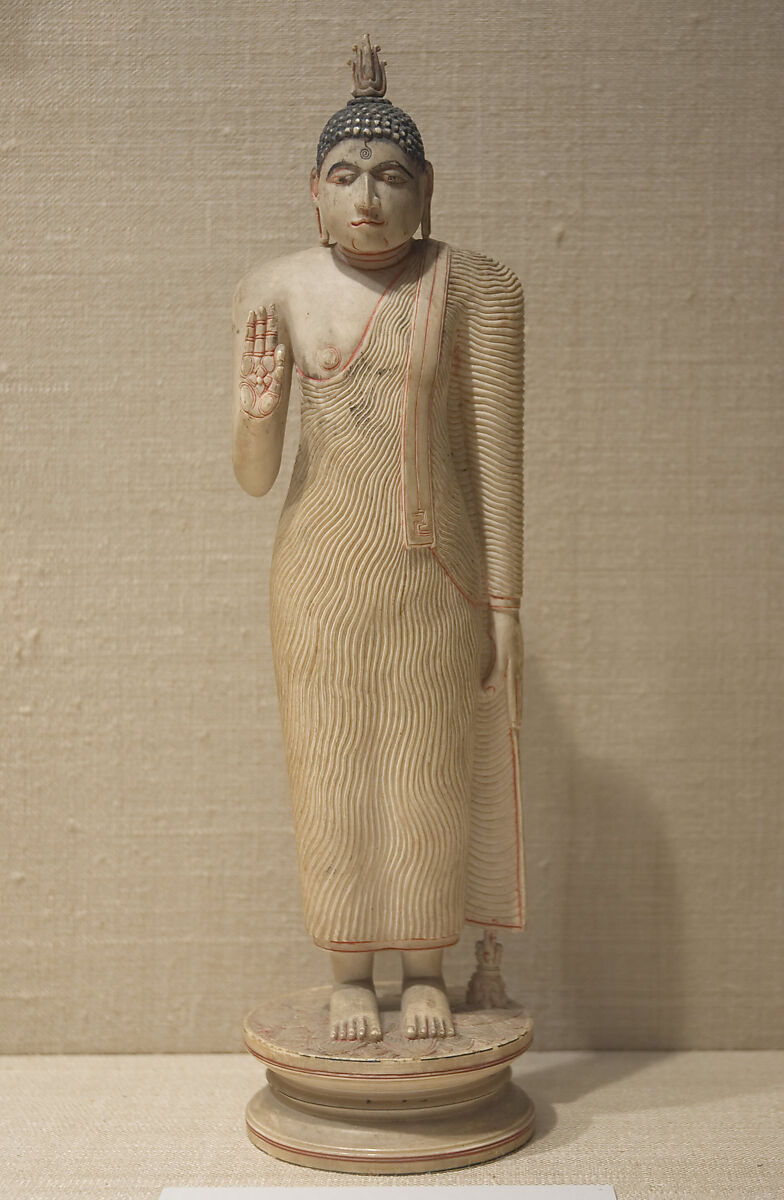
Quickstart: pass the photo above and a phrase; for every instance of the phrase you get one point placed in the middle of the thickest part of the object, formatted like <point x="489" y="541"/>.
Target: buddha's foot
<point x="353" y="1013"/>
<point x="424" y="1009"/>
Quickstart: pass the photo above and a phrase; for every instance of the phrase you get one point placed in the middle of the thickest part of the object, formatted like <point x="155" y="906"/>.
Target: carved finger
<point x="261" y="326"/>
<point x="250" y="333"/>
<point x="271" y="335"/>
<point x="362" y="1029"/>
<point x="439" y="1026"/>
<point x="280" y="355"/>
<point x="246" y="364"/>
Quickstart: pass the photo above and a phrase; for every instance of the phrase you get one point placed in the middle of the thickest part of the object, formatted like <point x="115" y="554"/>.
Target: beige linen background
<point x="625" y="159"/>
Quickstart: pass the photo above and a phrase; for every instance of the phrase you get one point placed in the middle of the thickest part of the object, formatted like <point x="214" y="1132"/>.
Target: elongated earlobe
<point x="426" y="220"/>
<point x="323" y="233"/>
<point x="428" y="198"/>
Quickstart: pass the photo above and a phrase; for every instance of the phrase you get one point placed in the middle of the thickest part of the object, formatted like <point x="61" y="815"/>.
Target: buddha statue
<point x="396" y="573"/>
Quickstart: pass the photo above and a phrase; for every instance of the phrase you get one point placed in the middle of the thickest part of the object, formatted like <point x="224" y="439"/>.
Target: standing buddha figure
<point x="396" y="574"/>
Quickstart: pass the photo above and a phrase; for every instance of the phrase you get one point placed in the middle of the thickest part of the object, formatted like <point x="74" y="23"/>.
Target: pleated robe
<point x="404" y="773"/>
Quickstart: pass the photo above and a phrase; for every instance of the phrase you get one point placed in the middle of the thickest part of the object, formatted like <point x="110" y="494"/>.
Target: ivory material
<point x="396" y="574"/>
<point x="424" y="351"/>
<point x="394" y="1107"/>
<point x="381" y="1141"/>
<point x="403" y="772"/>
<point x="486" y="986"/>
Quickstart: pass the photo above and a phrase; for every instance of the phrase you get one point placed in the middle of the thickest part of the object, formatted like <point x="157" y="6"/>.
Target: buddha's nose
<point x="367" y="200"/>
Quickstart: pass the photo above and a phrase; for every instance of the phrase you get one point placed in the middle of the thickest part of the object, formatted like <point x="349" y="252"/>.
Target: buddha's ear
<point x="426" y="205"/>
<point x="322" y="229"/>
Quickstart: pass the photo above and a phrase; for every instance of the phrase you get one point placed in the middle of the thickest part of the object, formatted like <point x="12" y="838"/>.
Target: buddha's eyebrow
<point x="390" y="164"/>
<point x="341" y="166"/>
<point x="393" y="164"/>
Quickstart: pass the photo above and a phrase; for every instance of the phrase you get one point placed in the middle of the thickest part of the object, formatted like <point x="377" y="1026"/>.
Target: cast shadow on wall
<point x="605" y="905"/>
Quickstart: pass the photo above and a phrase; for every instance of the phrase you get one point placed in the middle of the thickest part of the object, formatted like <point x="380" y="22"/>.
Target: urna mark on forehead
<point x="373" y="156"/>
<point x="368" y="116"/>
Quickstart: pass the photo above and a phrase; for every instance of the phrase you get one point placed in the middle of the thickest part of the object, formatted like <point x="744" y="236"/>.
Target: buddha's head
<point x="371" y="185"/>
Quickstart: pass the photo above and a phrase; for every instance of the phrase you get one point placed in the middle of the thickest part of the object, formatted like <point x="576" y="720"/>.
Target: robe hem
<point x="371" y="947"/>
<point x="514" y="926"/>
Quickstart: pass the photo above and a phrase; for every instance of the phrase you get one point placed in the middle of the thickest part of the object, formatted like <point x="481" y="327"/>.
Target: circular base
<point x="385" y="1143"/>
<point x="392" y="1107"/>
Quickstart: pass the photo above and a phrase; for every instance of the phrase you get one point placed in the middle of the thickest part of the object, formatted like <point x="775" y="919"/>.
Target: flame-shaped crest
<point x="370" y="78"/>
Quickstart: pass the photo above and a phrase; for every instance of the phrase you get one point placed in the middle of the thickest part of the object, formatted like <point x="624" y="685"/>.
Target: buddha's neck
<point x="374" y="262"/>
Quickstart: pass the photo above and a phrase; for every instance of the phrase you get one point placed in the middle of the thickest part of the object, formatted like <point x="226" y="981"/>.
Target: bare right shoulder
<point x="278" y="281"/>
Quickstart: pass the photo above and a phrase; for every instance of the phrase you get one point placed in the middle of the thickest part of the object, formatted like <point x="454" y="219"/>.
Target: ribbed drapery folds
<point x="403" y="772"/>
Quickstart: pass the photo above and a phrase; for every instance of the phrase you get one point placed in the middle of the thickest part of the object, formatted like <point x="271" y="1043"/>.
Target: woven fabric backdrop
<point x="625" y="158"/>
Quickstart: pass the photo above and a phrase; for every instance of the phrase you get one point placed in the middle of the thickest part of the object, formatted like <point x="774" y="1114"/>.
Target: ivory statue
<point x="397" y="569"/>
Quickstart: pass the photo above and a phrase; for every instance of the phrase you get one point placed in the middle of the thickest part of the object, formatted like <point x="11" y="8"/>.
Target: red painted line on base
<point x="397" y="1158"/>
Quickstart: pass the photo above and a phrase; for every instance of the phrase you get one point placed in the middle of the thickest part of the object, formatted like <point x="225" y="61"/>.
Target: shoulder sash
<point x="421" y="373"/>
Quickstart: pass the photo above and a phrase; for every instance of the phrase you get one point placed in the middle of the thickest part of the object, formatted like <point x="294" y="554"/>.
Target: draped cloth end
<point x="419" y="527"/>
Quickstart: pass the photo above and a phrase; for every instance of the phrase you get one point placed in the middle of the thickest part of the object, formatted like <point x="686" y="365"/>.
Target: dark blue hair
<point x="369" y="117"/>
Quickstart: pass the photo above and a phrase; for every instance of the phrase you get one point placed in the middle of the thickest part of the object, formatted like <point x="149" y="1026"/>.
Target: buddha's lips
<point x="366" y="222"/>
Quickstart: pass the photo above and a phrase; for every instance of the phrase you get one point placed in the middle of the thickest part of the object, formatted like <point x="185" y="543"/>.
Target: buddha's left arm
<point x="495" y="332"/>
<point x="494" y="344"/>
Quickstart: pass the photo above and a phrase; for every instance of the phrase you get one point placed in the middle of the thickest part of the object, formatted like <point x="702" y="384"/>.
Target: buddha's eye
<point x="342" y="178"/>
<point x="393" y="177"/>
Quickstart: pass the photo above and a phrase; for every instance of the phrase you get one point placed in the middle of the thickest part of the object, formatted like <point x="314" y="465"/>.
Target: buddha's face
<point x="370" y="195"/>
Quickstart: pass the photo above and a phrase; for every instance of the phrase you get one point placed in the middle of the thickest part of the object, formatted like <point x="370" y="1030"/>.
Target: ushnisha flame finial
<point x="368" y="114"/>
<point x="370" y="78"/>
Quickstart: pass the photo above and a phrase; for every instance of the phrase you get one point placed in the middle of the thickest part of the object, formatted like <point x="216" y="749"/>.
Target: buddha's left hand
<point x="506" y="673"/>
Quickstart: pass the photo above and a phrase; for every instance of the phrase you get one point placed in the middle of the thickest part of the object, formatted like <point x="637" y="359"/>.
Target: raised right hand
<point x="263" y="364"/>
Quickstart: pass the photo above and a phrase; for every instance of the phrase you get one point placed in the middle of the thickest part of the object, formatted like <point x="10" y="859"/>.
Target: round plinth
<point x="392" y="1107"/>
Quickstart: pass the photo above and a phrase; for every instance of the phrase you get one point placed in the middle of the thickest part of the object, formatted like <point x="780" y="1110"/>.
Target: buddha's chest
<point x="327" y="324"/>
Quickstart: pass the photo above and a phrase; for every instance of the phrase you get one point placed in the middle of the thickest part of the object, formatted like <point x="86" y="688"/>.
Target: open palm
<point x="263" y="364"/>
